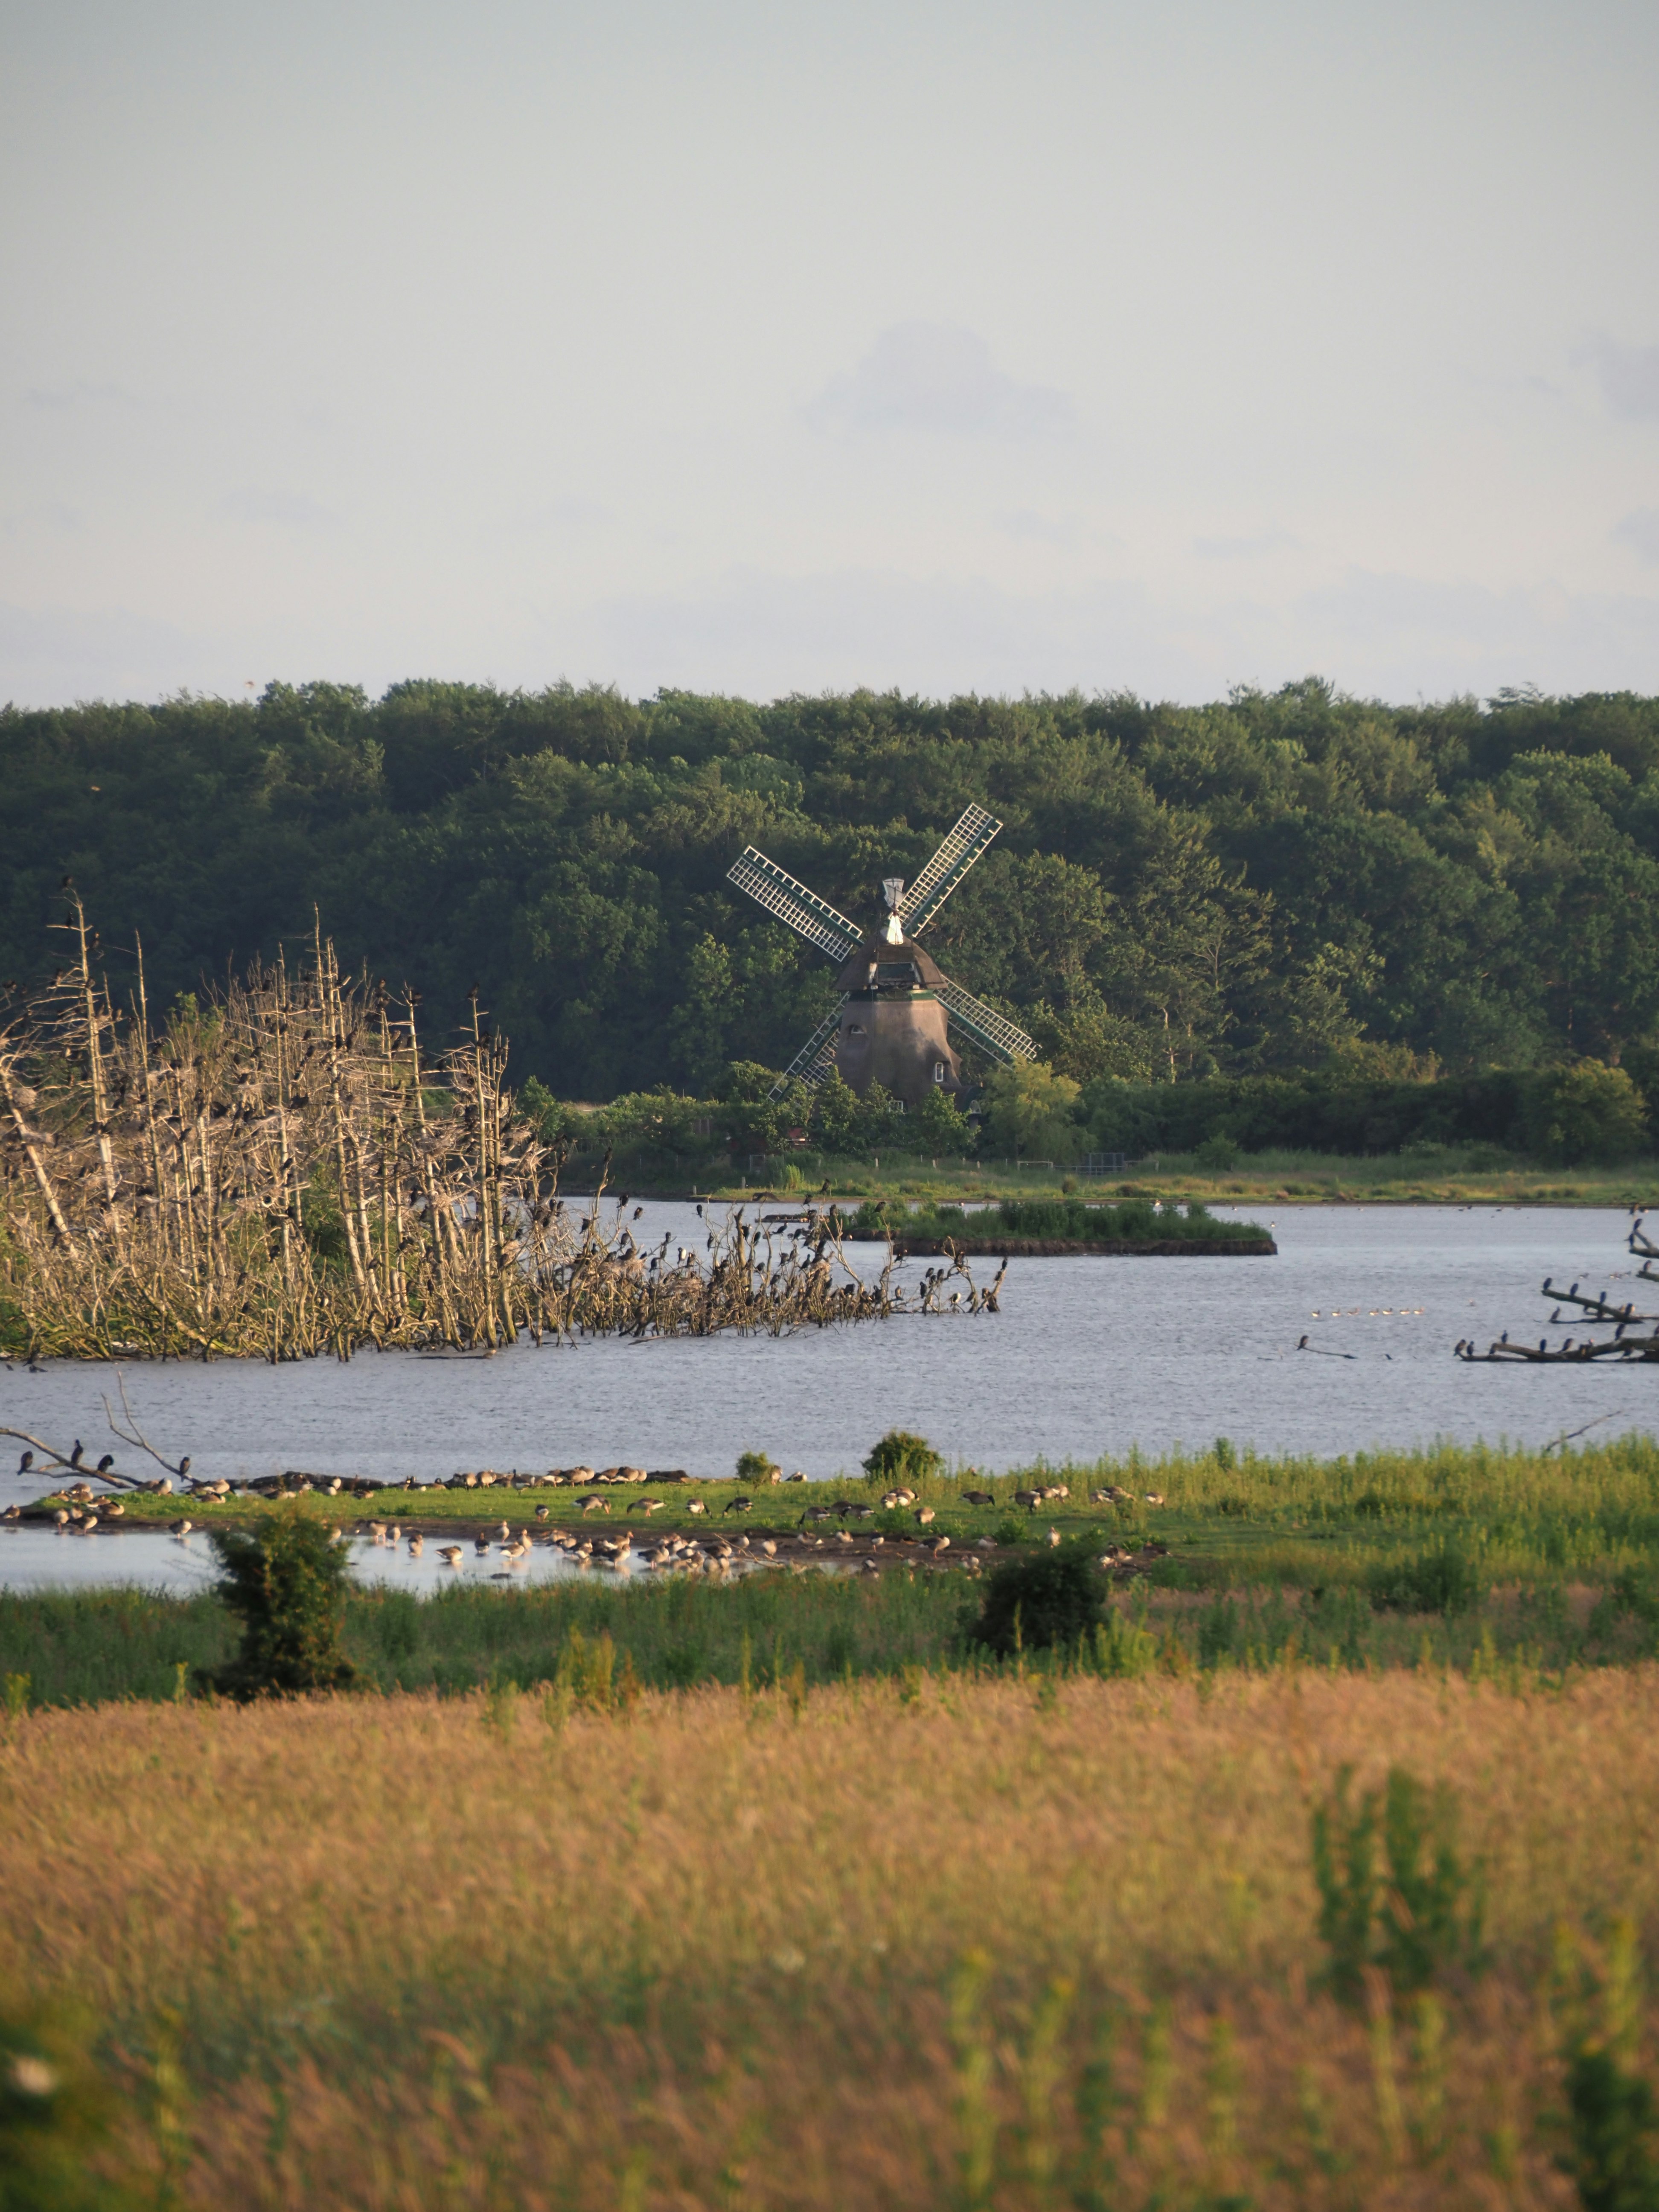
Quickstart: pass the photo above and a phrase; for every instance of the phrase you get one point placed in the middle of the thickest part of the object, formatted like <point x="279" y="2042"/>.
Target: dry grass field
<point x="929" y="1941"/>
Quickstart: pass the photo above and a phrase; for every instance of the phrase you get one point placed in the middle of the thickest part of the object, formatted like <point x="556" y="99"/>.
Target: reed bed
<point x="290" y="1171"/>
<point x="928" y="1943"/>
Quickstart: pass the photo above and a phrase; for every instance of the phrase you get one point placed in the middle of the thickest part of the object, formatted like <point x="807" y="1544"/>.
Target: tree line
<point x="1258" y="890"/>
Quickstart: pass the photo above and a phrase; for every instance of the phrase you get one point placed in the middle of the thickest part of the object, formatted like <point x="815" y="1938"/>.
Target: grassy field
<point x="1437" y="1174"/>
<point x="782" y="1894"/>
<point x="930" y="1943"/>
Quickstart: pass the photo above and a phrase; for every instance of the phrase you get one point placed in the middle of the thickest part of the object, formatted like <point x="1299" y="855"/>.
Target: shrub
<point x="1429" y="1916"/>
<point x="286" y="1583"/>
<point x="1442" y="1580"/>
<point x="1053" y="1597"/>
<point x="1586" y="1113"/>
<point x="1122" y="1648"/>
<point x="755" y="1467"/>
<point x="1218" y="1152"/>
<point x="902" y="1457"/>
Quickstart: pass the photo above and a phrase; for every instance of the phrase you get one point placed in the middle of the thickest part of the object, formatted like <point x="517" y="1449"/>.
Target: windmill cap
<point x="856" y="970"/>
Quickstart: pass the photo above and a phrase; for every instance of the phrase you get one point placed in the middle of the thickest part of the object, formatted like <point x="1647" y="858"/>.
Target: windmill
<point x="890" y="1026"/>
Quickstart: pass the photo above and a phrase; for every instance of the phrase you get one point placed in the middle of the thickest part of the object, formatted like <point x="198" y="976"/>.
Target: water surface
<point x="1089" y="1356"/>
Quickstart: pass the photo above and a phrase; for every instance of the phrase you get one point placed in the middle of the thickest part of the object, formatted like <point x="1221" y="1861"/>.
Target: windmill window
<point x="939" y="1070"/>
<point x="854" y="1030"/>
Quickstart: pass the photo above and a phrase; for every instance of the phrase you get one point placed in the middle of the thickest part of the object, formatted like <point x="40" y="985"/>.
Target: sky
<point x="774" y="348"/>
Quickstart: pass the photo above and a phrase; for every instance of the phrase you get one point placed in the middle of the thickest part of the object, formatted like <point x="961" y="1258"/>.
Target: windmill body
<point x="892" y="1025"/>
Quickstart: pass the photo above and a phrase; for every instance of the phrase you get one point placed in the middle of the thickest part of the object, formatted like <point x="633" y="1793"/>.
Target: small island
<point x="1052" y="1228"/>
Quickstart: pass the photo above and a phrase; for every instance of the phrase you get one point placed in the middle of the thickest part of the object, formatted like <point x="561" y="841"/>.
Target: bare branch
<point x="135" y="1436"/>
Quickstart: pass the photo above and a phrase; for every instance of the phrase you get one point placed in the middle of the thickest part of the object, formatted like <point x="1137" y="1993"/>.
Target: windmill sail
<point x="815" y="1057"/>
<point x="993" y="1032"/>
<point x="961" y="849"/>
<point x="822" y="925"/>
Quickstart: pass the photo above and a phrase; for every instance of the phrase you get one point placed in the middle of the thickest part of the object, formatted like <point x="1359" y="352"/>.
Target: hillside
<point x="1234" y="889"/>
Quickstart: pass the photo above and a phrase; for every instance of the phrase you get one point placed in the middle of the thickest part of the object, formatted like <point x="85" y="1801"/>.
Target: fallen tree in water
<point x="284" y="1173"/>
<point x="1627" y="1341"/>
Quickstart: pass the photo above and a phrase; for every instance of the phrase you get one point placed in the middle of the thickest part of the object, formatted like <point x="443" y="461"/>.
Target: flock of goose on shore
<point x="708" y="1554"/>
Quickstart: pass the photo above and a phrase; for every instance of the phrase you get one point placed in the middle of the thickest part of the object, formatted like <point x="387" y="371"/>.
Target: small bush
<point x="901" y="1457"/>
<point x="1123" y="1649"/>
<point x="286" y="1583"/>
<point x="755" y="1467"/>
<point x="1427" y="1918"/>
<point x="1052" y="1598"/>
<point x="1442" y="1580"/>
<point x="1218" y="1153"/>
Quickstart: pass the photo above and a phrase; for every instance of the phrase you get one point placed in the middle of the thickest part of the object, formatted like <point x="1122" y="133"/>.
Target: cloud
<point x="1027" y="527"/>
<point x="1241" y="549"/>
<point x="569" y="511"/>
<point x="75" y="392"/>
<point x="287" y="510"/>
<point x="1395" y="635"/>
<point x="934" y="377"/>
<point x="51" y="514"/>
<point x="52" y="655"/>
<point x="1630" y="379"/>
<point x="1389" y="636"/>
<point x="1641" y="530"/>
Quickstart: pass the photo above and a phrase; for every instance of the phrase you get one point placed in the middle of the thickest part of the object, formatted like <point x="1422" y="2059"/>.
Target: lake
<point x="1089" y="1356"/>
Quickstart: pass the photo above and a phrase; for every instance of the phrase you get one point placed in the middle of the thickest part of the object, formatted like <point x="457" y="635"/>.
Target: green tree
<point x="834" y="1121"/>
<point x="1032" y="1113"/>
<point x="1587" y="1112"/>
<point x="940" y="1126"/>
<point x="285" y="1580"/>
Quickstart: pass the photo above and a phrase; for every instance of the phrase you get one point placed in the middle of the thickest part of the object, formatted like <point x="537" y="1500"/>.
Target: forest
<point x="1231" y="901"/>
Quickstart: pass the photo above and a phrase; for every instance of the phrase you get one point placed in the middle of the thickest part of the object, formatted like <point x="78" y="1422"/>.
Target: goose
<point x="940" y="1546"/>
<point x="1053" y="1537"/>
<point x="450" y="1554"/>
<point x="978" y="1498"/>
<point x="924" y="1515"/>
<point x="697" y="1505"/>
<point x="377" y="1531"/>
<point x="769" y="1548"/>
<point x="416" y="1546"/>
<point x="481" y="1546"/>
<point x="542" y="1512"/>
<point x="114" y="1510"/>
<point x="180" y="1528"/>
